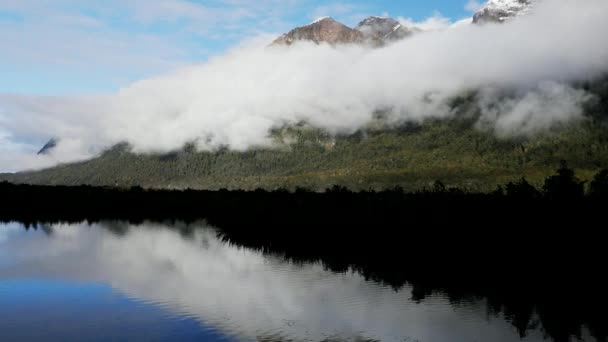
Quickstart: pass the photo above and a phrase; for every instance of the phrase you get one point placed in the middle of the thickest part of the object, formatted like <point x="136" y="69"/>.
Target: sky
<point x="161" y="74"/>
<point x="74" y="47"/>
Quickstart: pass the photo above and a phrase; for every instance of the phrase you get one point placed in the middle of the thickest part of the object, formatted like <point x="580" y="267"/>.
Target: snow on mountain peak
<point x="375" y="31"/>
<point x="501" y="10"/>
<point x="320" y="20"/>
<point x="380" y="30"/>
<point x="509" y="6"/>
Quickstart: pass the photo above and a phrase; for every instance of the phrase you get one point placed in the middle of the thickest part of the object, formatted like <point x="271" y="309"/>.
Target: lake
<point x="185" y="282"/>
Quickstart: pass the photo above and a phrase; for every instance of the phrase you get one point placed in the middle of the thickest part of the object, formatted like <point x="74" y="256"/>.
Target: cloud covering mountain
<point x="523" y="68"/>
<point x="498" y="11"/>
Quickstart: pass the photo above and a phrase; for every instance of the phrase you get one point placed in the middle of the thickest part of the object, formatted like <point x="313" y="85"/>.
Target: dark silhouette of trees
<point x="599" y="185"/>
<point x="564" y="185"/>
<point x="522" y="190"/>
<point x="439" y="187"/>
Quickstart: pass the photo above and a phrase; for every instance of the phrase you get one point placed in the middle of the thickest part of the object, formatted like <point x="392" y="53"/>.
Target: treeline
<point x="412" y="156"/>
<point x="437" y="206"/>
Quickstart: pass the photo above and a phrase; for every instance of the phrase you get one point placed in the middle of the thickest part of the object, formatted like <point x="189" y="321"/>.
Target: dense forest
<point x="412" y="156"/>
<point x="564" y="188"/>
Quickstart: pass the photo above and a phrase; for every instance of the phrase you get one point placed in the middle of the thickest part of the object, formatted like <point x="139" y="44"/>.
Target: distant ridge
<point x="380" y="30"/>
<point x="373" y="30"/>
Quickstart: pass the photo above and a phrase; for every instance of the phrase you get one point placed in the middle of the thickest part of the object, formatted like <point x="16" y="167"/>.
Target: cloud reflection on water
<point x="240" y="291"/>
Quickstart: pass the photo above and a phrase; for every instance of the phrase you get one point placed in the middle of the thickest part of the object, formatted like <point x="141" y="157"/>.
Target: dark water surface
<point x="154" y="282"/>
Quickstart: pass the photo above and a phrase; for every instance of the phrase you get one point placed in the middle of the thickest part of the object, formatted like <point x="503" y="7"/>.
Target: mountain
<point x="498" y="11"/>
<point x="374" y="30"/>
<point x="412" y="156"/>
<point x="323" y="30"/>
<point x="380" y="30"/>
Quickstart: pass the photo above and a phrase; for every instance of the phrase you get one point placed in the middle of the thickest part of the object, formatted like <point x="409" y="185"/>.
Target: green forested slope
<point x="414" y="156"/>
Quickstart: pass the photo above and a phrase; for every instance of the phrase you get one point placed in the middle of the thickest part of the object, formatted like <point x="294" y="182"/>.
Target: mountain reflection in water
<point x="251" y="293"/>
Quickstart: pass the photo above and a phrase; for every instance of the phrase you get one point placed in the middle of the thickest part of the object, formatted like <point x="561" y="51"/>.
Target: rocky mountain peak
<point x="322" y="30"/>
<point x="382" y="29"/>
<point x="498" y="11"/>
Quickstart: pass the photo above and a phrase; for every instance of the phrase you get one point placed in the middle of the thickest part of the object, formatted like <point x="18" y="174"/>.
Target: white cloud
<point x="234" y="99"/>
<point x="436" y="22"/>
<point x="6" y="230"/>
<point x="129" y="39"/>
<point x="462" y="23"/>
<point x="560" y="104"/>
<point x="473" y="6"/>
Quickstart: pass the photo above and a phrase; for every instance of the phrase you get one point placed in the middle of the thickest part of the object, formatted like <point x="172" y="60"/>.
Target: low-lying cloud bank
<point x="235" y="99"/>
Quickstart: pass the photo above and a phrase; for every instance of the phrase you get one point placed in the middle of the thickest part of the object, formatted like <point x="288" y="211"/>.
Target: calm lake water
<point x="156" y="282"/>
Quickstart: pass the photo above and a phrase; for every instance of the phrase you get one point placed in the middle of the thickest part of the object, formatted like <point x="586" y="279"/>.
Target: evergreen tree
<point x="564" y="185"/>
<point x="599" y="184"/>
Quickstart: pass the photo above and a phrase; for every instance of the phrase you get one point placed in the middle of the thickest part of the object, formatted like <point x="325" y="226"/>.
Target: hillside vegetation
<point x="412" y="156"/>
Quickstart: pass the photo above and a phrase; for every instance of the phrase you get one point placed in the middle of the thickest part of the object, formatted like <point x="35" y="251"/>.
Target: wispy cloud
<point x="435" y="22"/>
<point x="126" y="39"/>
<point x="473" y="6"/>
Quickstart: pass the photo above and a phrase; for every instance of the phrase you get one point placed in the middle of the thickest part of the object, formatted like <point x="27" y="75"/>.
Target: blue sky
<point x="61" y="47"/>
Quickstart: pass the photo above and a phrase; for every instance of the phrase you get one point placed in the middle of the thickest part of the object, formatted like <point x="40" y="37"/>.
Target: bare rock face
<point x="381" y="30"/>
<point x="498" y="11"/>
<point x="48" y="147"/>
<point x="323" y="30"/>
<point x="377" y="31"/>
